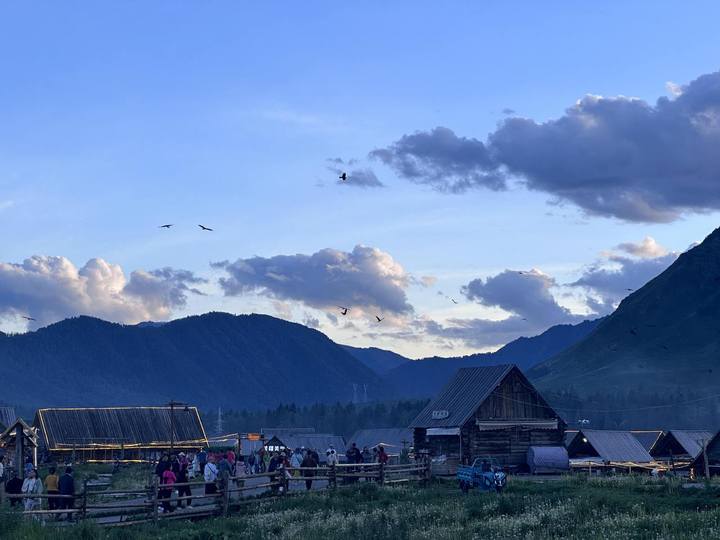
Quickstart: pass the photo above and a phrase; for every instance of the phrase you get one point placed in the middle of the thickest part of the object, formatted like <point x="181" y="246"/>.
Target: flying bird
<point x="166" y="226"/>
<point x="453" y="301"/>
<point x="204" y="228"/>
<point x="27" y="318"/>
<point x="343" y="176"/>
<point x="344" y="310"/>
<point x="379" y="319"/>
<point x="630" y="290"/>
<point x="633" y="332"/>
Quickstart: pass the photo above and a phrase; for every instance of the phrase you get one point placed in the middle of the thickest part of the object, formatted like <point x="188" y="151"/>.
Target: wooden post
<point x="226" y="493"/>
<point x="84" y="503"/>
<point x="705" y="459"/>
<point x="332" y="476"/>
<point x="381" y="473"/>
<point x="155" y="501"/>
<point x="20" y="451"/>
<point x="2" y="493"/>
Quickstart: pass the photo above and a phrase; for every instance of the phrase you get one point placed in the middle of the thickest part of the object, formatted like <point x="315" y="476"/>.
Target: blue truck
<point x="484" y="474"/>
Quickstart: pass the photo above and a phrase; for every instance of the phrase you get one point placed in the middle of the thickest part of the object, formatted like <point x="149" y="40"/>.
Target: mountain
<point x="425" y="377"/>
<point x="379" y="360"/>
<point x="211" y="360"/>
<point x="663" y="338"/>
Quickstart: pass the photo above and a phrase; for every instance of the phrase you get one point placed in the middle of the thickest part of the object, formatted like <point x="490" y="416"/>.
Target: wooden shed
<point x="118" y="433"/>
<point x="489" y="411"/>
<point x="680" y="446"/>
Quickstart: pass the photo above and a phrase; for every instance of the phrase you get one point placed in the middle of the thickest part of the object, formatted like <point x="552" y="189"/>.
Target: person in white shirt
<point x="32" y="485"/>
<point x="331" y="457"/>
<point x="211" y="475"/>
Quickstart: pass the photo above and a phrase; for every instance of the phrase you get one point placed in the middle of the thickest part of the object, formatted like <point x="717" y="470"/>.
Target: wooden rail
<point x="135" y="506"/>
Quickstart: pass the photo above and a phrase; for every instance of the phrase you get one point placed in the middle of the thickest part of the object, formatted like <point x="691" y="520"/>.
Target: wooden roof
<point x="465" y="393"/>
<point x="119" y="427"/>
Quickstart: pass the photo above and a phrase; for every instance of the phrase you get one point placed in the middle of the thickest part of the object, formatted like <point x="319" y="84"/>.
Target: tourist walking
<point x="210" y="473"/>
<point x="13" y="488"/>
<point x="32" y="485"/>
<point x="308" y="463"/>
<point x="67" y="487"/>
<point x="52" y="487"/>
<point x="181" y="475"/>
<point x="166" y="488"/>
<point x="202" y="458"/>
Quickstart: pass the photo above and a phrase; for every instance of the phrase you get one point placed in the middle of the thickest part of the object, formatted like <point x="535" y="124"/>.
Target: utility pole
<point x="172" y="406"/>
<point x="705" y="459"/>
<point x="219" y="424"/>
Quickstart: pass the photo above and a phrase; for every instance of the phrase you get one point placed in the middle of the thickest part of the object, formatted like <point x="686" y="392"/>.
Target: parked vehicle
<point x="485" y="474"/>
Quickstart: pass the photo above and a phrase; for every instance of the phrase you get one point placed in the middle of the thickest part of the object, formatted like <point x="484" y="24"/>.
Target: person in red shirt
<point x="382" y="456"/>
<point x="166" y="488"/>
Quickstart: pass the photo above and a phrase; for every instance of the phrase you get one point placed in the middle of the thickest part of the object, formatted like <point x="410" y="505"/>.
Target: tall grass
<point x="571" y="508"/>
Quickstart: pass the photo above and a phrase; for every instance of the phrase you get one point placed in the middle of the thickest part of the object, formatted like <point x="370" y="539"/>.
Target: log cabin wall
<point x="514" y="399"/>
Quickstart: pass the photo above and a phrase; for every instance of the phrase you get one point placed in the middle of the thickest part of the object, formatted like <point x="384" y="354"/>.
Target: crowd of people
<point x="175" y="471"/>
<point x="26" y="493"/>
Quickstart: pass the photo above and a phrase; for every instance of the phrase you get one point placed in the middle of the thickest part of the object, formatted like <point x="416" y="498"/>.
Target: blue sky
<point x="118" y="117"/>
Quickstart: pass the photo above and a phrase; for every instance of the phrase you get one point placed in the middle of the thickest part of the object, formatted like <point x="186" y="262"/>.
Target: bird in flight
<point x="27" y="318"/>
<point x="453" y="301"/>
<point x="633" y="332"/>
<point x="630" y="290"/>
<point x="204" y="228"/>
<point x="379" y="319"/>
<point x="344" y="310"/>
<point x="343" y="176"/>
<point x="166" y="226"/>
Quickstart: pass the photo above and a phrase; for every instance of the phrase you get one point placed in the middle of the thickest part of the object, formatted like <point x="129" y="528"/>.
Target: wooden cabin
<point x="491" y="411"/>
<point x="713" y="457"/>
<point x="118" y="433"/>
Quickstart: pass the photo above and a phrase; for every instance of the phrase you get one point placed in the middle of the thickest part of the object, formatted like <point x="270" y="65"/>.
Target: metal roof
<point x="462" y="396"/>
<point x="614" y="446"/>
<point x="647" y="437"/>
<point x="7" y="416"/>
<point x="690" y="440"/>
<point x="63" y="429"/>
<point x="317" y="441"/>
<point x="391" y="438"/>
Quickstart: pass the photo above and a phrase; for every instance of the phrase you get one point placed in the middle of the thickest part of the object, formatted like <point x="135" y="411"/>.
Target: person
<point x="202" y="460"/>
<point x="231" y="459"/>
<point x="162" y="466"/>
<point x="366" y="455"/>
<point x="331" y="457"/>
<point x="382" y="457"/>
<point x="181" y="475"/>
<point x="296" y="461"/>
<point x="195" y="467"/>
<point x="28" y="466"/>
<point x="251" y="463"/>
<point x="2" y="469"/>
<point x="51" y="487"/>
<point x="308" y="462"/>
<point x="275" y="464"/>
<point x="353" y="456"/>
<point x="13" y="487"/>
<point x="32" y="486"/>
<point x="67" y="487"/>
<point x="210" y="473"/>
<point x="167" y="481"/>
<point x="225" y="466"/>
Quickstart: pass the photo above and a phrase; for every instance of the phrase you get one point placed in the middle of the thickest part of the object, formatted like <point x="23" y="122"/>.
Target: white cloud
<point x="49" y="288"/>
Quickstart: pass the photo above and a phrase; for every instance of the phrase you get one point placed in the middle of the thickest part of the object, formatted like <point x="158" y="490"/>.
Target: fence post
<point x="381" y="473"/>
<point x="225" y="493"/>
<point x="155" y="500"/>
<point x="84" y="503"/>
<point x="332" y="476"/>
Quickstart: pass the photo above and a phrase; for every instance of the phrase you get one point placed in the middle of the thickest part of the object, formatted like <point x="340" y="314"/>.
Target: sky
<point x="511" y="165"/>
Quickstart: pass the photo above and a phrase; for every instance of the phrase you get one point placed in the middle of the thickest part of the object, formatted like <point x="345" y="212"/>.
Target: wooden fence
<point x="112" y="508"/>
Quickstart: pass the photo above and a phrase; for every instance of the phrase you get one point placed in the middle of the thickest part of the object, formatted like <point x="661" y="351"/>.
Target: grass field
<point x="576" y="507"/>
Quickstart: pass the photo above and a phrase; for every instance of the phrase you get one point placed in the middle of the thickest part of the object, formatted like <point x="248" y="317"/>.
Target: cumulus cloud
<point x="611" y="156"/>
<point x="50" y="288"/>
<point x="648" y="248"/>
<point x="362" y="177"/>
<point x="526" y="295"/>
<point x="611" y="279"/>
<point x="365" y="277"/>
<point x="443" y="160"/>
<point x="311" y="322"/>
<point x="483" y="333"/>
